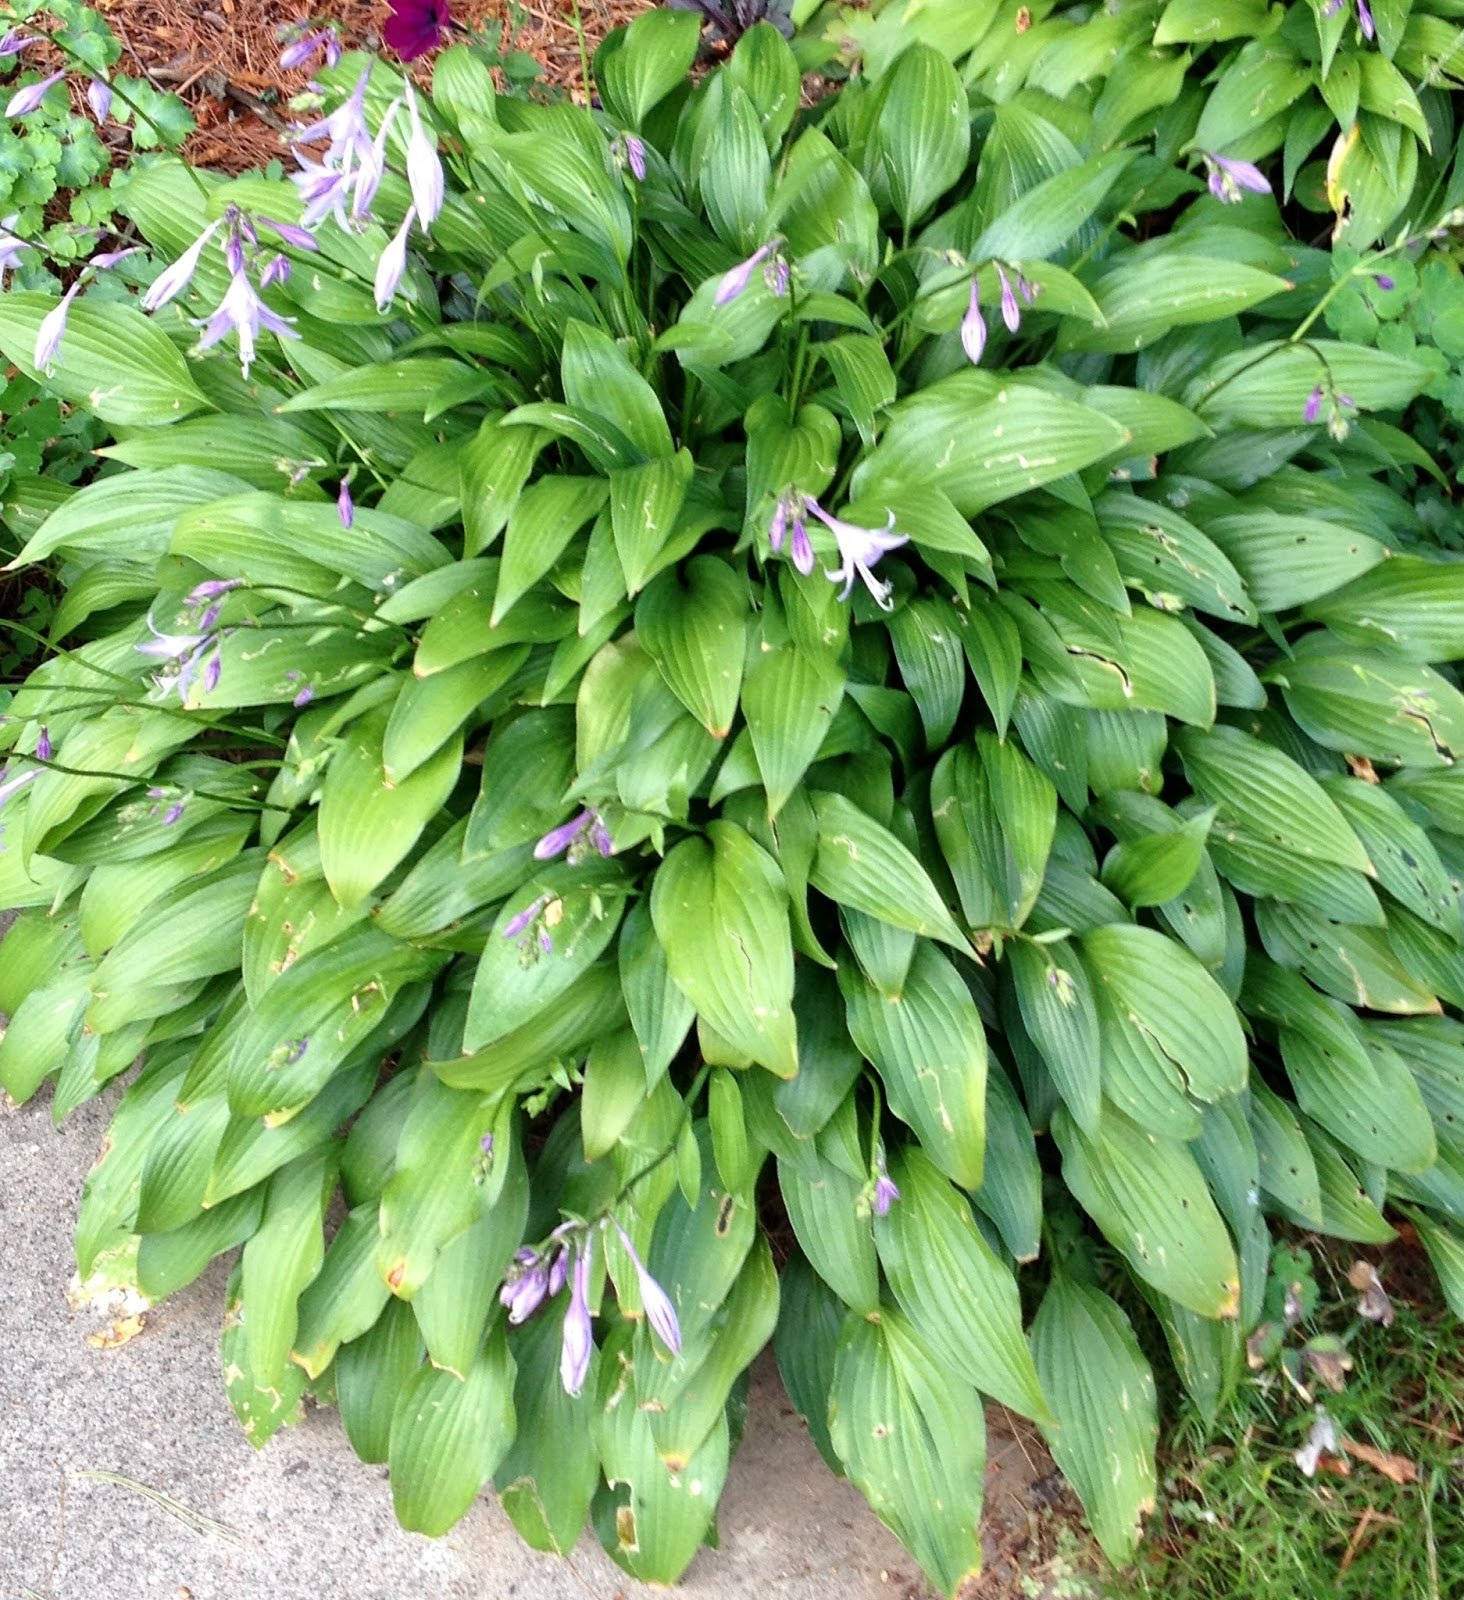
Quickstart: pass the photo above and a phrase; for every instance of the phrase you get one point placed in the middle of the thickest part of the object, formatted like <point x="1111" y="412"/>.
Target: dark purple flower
<point x="43" y="744"/>
<point x="579" y="1335"/>
<point x="1313" y="408"/>
<point x="416" y="26"/>
<point x="660" y="1313"/>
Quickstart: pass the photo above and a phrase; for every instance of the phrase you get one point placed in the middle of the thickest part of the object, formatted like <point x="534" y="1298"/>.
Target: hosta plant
<point x="635" y="673"/>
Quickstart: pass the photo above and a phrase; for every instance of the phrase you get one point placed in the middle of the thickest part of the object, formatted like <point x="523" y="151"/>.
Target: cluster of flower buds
<point x="1337" y="406"/>
<point x="860" y="549"/>
<point x="534" y="926"/>
<point x="576" y="839"/>
<point x="537" y="1276"/>
<point x="304" y="43"/>
<point x="775" y="273"/>
<point x="195" y="656"/>
<point x="629" y="150"/>
<point x="29" y="97"/>
<point x="1016" y="291"/>
<point x="1228" y="179"/>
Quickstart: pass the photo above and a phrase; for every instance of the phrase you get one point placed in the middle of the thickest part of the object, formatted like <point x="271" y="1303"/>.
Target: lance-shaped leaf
<point x="371" y="1373"/>
<point x="1101" y="1391"/>
<point x="1364" y="703"/>
<point x="1056" y="1000"/>
<point x="344" y="1298"/>
<point x="823" y="1206"/>
<point x="1445" y="1246"/>
<point x="1150" y="1200"/>
<point x="958" y="1295"/>
<point x="1284" y="1162"/>
<point x="913" y="1440"/>
<point x="789" y="699"/>
<point x="1011" y="1188"/>
<point x="262" y="1407"/>
<point x="720" y="911"/>
<point x="447" y="1436"/>
<point x="863" y="865"/>
<point x="1164" y="991"/>
<point x="930" y="1050"/>
<point x="693" y="625"/>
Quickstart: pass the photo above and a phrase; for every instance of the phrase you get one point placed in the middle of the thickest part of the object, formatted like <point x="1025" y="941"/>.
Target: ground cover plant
<point x="641" y="669"/>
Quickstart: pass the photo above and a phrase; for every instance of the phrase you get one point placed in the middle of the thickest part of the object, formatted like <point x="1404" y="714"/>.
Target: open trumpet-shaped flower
<point x="242" y="313"/>
<point x="860" y="550"/>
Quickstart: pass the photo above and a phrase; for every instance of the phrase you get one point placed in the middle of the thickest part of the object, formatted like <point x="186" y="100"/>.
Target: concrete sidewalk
<point x="304" y="1519"/>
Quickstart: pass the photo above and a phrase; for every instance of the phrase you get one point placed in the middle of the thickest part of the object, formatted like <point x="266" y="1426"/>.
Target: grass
<point x="1239" y="1521"/>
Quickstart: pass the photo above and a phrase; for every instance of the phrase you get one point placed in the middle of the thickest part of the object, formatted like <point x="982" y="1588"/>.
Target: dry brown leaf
<point x="1398" y="1468"/>
<point x="117" y="1333"/>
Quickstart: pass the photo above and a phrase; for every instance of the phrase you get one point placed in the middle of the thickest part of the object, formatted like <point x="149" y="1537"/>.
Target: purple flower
<point x="393" y="262"/>
<point x="558" y="1271"/>
<point x="885" y="1190"/>
<point x="660" y="1313"/>
<point x="292" y="235"/>
<point x="53" y="329"/>
<point x="303" y="698"/>
<point x="586" y="829"/>
<point x="859" y="550"/>
<point x="13" y="782"/>
<point x="43" y="744"/>
<point x="311" y="44"/>
<point x="1384" y="282"/>
<point x="10" y="245"/>
<point x="350" y="167"/>
<point x="1011" y="312"/>
<point x="106" y="259"/>
<point x="973" y="326"/>
<point x="174" y="813"/>
<point x="99" y="98"/>
<point x="243" y="313"/>
<point x="345" y="505"/>
<point x="635" y="155"/>
<point x="424" y="168"/>
<point x="734" y="282"/>
<point x="276" y="270"/>
<point x="14" y="42"/>
<point x="1365" y="20"/>
<point x="1228" y="178"/>
<point x="526" y="1287"/>
<point x="579" y="1335"/>
<point x="791" y="509"/>
<point x="416" y="26"/>
<point x="1313" y="407"/>
<point x="28" y="99"/>
<point x="211" y="589"/>
<point x="174" y="279"/>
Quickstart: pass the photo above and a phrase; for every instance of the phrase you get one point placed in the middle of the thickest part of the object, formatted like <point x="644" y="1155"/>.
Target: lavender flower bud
<point x="578" y="1344"/>
<point x="734" y="282"/>
<point x="393" y="263"/>
<point x="276" y="270"/>
<point x="1011" y="312"/>
<point x="43" y="744"/>
<point x="973" y="326"/>
<point x="635" y="155"/>
<point x="660" y="1313"/>
<point x="885" y="1190"/>
<point x="29" y="99"/>
<point x="173" y="280"/>
<point x="52" y="330"/>
<point x="424" y="168"/>
<point x="14" y="42"/>
<point x="345" y="505"/>
<point x="99" y="98"/>
<point x="300" y="238"/>
<point x="558" y="840"/>
<point x="1313" y="408"/>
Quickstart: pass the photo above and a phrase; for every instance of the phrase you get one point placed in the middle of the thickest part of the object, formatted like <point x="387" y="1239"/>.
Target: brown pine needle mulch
<point x="222" y="56"/>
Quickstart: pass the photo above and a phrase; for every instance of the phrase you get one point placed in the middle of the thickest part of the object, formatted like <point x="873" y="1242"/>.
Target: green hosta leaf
<point x="551" y="1470"/>
<point x="636" y="70"/>
<point x="1101" y="1391"/>
<point x="545" y="518"/>
<point x="810" y="1316"/>
<point x="1287" y="1168"/>
<point x="693" y="625"/>
<point x="957" y="1294"/>
<point x="1167" y="557"/>
<point x="930" y="1050"/>
<point x="922" y="136"/>
<point x="371" y="1373"/>
<point x="1011" y="1189"/>
<point x="599" y="378"/>
<point x="862" y="865"/>
<point x="1407" y="606"/>
<point x="262" y="1407"/>
<point x="1288" y="561"/>
<point x="732" y="165"/>
<point x="645" y="501"/>
<point x="1165" y="992"/>
<point x="367" y="822"/>
<point x="1149" y="871"/>
<point x="981" y="444"/>
<point x="1267" y="385"/>
<point x="1260" y="792"/>
<point x="913" y="1440"/>
<point x="1367" y="704"/>
<point x="1060" y="1013"/>
<point x="1040" y="221"/>
<point x="789" y="698"/>
<point x="281" y="1258"/>
<point x="824" y="1208"/>
<point x="1432" y="1048"/>
<point x="1445" y="1246"/>
<point x="1150" y="1201"/>
<point x="113" y="362"/>
<point x="1357" y="965"/>
<point x="447" y="1436"/>
<point x="496" y="463"/>
<point x="721" y="914"/>
<point x="517" y="979"/>
<point x="345" y="1297"/>
<point x="927" y="637"/>
<point x="1145" y="295"/>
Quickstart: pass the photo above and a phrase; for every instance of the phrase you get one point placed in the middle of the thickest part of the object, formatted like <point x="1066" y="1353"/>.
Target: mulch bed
<point x="222" y="56"/>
